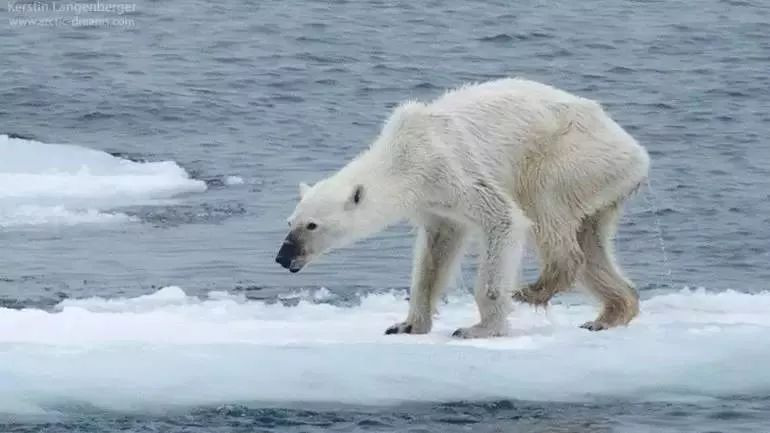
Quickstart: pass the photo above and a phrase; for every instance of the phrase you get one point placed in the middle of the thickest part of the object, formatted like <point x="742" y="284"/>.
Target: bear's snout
<point x="287" y="255"/>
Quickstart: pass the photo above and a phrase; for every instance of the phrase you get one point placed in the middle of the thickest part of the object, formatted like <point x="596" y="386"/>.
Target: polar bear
<point x="498" y="161"/>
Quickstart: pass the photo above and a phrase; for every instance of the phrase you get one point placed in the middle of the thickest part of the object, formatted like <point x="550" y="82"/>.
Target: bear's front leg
<point x="437" y="248"/>
<point x="498" y="271"/>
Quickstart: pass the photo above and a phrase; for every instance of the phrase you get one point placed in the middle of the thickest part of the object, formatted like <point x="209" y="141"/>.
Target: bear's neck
<point x="389" y="183"/>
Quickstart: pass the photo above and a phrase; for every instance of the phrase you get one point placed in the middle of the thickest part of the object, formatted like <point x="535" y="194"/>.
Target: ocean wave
<point x="33" y="215"/>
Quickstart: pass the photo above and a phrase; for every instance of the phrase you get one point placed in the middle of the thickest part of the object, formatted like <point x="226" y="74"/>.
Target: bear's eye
<point x="312" y="226"/>
<point x="357" y="194"/>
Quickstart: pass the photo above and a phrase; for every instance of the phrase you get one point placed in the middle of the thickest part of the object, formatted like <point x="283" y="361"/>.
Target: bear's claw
<point x="595" y="325"/>
<point x="399" y="328"/>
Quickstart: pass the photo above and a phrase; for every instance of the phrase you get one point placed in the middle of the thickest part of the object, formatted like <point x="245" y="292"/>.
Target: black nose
<point x="287" y="253"/>
<point x="283" y="261"/>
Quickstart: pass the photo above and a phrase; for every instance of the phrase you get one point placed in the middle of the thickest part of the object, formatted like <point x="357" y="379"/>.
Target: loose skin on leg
<point x="562" y="260"/>
<point x="437" y="250"/>
<point x="601" y="276"/>
<point x="504" y="239"/>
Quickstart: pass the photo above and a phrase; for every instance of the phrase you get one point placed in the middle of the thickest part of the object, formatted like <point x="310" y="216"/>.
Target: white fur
<point x="490" y="160"/>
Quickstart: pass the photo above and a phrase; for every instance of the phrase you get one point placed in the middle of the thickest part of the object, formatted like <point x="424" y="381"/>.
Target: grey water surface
<point x="278" y="92"/>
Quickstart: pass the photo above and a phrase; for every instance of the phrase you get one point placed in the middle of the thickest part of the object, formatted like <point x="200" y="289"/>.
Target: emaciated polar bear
<point x="495" y="160"/>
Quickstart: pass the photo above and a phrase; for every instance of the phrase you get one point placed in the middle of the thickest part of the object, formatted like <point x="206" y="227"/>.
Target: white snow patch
<point x="169" y="349"/>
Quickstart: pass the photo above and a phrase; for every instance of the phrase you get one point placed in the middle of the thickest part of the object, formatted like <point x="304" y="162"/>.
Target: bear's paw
<point x="408" y="328"/>
<point x="595" y="325"/>
<point x="482" y="331"/>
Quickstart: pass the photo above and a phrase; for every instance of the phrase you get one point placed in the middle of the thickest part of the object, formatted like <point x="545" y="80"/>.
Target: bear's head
<point x="329" y="215"/>
<point x="377" y="188"/>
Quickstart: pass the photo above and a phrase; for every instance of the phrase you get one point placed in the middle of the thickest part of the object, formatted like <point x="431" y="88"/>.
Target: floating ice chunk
<point x="234" y="180"/>
<point x="66" y="184"/>
<point x="167" y="349"/>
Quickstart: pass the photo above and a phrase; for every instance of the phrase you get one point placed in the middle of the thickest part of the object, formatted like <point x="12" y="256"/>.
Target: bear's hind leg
<point x="437" y="250"/>
<point x="601" y="276"/>
<point x="562" y="259"/>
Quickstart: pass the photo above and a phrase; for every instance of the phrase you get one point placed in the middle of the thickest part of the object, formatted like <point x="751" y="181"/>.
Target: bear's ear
<point x="303" y="188"/>
<point x="356" y="196"/>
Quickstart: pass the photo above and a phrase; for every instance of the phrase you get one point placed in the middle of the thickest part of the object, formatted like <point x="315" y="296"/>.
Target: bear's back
<point x="506" y="91"/>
